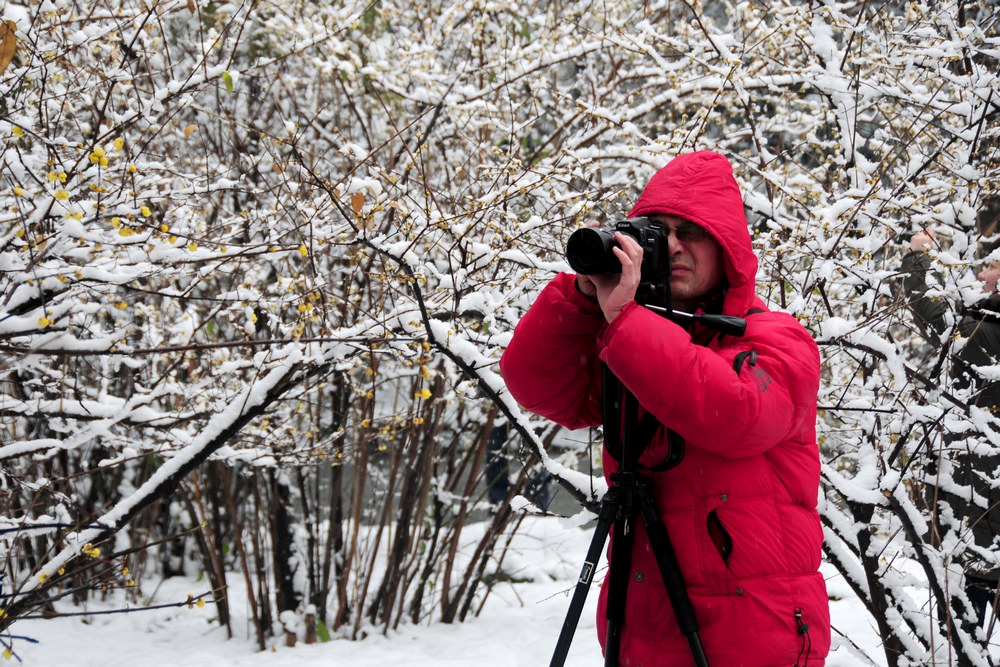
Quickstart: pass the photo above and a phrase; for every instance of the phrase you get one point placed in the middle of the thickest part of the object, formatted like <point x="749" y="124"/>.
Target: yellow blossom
<point x="17" y="131"/>
<point x="44" y="322"/>
<point x="423" y="393"/>
<point x="121" y="305"/>
<point x="201" y="603"/>
<point x="192" y="246"/>
<point x="97" y="156"/>
<point x="164" y="228"/>
<point x="418" y="421"/>
<point x="304" y="251"/>
<point x="145" y="211"/>
<point x="18" y="191"/>
<point x="132" y="169"/>
<point x="119" y="143"/>
<point x="125" y="231"/>
<point x="62" y="195"/>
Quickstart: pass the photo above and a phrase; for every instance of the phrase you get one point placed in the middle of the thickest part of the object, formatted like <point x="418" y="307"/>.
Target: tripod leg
<point x="670" y="572"/>
<point x="605" y="517"/>
<point x="618" y="583"/>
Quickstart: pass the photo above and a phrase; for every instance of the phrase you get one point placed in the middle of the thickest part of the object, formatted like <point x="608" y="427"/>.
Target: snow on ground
<point x="519" y="625"/>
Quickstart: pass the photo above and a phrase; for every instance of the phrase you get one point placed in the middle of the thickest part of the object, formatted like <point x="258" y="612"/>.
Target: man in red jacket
<point x="740" y="507"/>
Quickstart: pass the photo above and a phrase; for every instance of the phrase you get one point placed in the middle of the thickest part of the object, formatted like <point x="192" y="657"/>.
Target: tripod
<point x="629" y="496"/>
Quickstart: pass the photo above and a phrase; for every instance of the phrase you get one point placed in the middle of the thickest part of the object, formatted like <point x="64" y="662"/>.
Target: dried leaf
<point x="8" y="43"/>
<point x="192" y="7"/>
<point x="190" y="129"/>
<point x="357" y="201"/>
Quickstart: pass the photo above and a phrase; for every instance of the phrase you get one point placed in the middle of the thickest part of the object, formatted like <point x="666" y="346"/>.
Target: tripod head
<point x="726" y="324"/>
<point x="654" y="293"/>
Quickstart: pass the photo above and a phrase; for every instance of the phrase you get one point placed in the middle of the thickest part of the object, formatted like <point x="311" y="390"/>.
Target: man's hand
<point x="615" y="291"/>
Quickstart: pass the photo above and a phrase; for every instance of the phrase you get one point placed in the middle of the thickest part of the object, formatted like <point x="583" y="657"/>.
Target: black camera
<point x="590" y="250"/>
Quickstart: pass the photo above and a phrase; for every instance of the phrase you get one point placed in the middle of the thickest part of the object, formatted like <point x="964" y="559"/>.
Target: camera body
<point x="590" y="251"/>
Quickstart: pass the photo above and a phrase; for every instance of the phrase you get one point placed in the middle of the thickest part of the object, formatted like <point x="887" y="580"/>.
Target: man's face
<point x="696" y="264"/>
<point x="989" y="276"/>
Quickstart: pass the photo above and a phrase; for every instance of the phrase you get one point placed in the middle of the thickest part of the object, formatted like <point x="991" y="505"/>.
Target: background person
<point x="740" y="507"/>
<point x="976" y="474"/>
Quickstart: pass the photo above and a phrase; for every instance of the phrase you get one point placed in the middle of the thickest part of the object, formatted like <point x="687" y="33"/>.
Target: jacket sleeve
<point x="930" y="311"/>
<point x="551" y="365"/>
<point x="698" y="392"/>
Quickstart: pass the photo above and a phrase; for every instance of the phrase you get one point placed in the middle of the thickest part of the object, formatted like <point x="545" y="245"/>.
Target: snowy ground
<point x="519" y="625"/>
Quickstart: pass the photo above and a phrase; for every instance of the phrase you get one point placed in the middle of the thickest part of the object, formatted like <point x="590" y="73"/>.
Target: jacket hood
<point x="700" y="187"/>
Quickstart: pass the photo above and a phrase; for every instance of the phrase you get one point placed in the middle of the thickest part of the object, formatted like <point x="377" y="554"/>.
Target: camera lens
<point x="589" y="251"/>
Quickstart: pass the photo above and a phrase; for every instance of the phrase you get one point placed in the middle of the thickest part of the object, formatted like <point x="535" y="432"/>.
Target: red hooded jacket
<point x="740" y="508"/>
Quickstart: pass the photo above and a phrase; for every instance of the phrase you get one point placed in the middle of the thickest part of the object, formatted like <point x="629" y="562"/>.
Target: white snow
<point x="519" y="625"/>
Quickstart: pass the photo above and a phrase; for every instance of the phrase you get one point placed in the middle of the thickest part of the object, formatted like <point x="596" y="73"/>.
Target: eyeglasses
<point x="686" y="232"/>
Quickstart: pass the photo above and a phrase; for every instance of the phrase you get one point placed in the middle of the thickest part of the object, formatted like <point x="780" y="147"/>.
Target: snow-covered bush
<point x="259" y="261"/>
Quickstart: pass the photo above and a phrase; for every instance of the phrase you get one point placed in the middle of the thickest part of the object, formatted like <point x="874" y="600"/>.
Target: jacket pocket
<point x="752" y="545"/>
